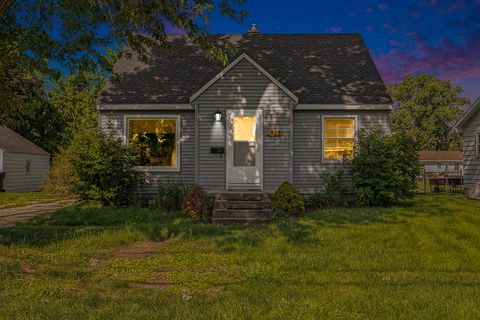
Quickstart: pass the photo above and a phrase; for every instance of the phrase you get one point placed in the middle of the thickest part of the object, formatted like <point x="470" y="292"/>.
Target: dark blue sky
<point x="429" y="36"/>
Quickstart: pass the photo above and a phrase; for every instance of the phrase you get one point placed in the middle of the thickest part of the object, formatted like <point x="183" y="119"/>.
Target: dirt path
<point x="10" y="216"/>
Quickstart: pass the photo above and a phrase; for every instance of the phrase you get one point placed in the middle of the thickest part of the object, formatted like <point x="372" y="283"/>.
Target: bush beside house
<point x="384" y="168"/>
<point x="170" y="196"/>
<point x="103" y="168"/>
<point x="196" y="204"/>
<point x="286" y="201"/>
<point x="335" y="194"/>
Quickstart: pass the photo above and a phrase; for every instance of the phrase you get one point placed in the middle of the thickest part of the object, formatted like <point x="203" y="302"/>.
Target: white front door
<point x="244" y="150"/>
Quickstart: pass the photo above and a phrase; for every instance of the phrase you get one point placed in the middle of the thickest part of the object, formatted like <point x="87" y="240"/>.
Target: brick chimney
<point x="254" y="29"/>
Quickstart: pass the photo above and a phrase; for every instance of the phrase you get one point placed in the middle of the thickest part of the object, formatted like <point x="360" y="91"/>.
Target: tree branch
<point x="4" y="5"/>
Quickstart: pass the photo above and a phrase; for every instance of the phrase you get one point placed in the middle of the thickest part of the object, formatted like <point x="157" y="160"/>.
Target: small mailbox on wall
<point x="217" y="150"/>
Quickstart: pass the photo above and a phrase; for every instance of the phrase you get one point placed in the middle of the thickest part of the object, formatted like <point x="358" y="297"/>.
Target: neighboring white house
<point x="442" y="162"/>
<point x="24" y="163"/>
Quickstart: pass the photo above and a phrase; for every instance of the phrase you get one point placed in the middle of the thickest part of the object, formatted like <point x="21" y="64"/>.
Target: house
<point x="24" y="164"/>
<point x="442" y="162"/>
<point x="469" y="126"/>
<point x="286" y="107"/>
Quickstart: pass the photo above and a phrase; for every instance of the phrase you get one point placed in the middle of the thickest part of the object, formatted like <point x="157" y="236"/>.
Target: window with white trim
<point x="157" y="141"/>
<point x="338" y="138"/>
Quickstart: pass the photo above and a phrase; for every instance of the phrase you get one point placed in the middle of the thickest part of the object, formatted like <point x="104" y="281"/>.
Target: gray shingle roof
<point x="10" y="141"/>
<point x="317" y="68"/>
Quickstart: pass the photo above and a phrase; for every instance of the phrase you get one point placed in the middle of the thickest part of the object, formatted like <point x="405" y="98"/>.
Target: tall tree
<point x="426" y="107"/>
<point x="41" y="39"/>
<point x="28" y="111"/>
<point x="75" y="34"/>
<point x="74" y="99"/>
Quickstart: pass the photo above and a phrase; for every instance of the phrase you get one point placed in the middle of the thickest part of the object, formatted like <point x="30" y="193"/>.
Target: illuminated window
<point x="156" y="139"/>
<point x="338" y="138"/>
<point x="244" y="145"/>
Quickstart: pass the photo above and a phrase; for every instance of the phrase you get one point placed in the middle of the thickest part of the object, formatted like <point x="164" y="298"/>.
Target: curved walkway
<point x="10" y="216"/>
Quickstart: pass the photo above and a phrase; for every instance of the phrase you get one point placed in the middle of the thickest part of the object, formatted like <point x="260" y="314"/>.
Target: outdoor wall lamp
<point x="218" y="115"/>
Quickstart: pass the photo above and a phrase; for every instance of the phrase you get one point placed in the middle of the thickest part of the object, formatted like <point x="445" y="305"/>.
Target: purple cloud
<point x="392" y="28"/>
<point x="457" y="5"/>
<point x="335" y="29"/>
<point x="383" y="6"/>
<point x="369" y="28"/>
<point x="455" y="61"/>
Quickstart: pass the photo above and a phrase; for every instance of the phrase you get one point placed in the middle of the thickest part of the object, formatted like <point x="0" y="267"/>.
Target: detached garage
<point x="23" y="164"/>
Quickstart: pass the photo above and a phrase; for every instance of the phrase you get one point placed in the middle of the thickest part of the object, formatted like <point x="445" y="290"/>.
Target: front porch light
<point x="218" y="115"/>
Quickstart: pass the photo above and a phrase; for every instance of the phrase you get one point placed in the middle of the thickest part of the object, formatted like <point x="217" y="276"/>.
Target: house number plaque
<point x="273" y="133"/>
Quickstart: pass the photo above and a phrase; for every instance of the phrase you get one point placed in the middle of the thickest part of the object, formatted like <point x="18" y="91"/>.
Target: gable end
<point x="243" y="56"/>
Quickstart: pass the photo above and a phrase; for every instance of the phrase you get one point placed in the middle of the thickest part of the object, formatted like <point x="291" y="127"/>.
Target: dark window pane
<point x="244" y="153"/>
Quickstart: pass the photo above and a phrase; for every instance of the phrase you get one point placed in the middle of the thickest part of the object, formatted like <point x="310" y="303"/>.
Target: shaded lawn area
<point x="21" y="199"/>
<point x="416" y="261"/>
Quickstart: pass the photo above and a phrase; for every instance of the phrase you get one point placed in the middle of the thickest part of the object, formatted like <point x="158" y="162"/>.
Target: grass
<point x="21" y="199"/>
<point x="420" y="260"/>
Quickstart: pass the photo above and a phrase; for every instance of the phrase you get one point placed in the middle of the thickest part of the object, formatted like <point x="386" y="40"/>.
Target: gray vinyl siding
<point x="112" y="122"/>
<point x="17" y="179"/>
<point x="243" y="87"/>
<point x="471" y="163"/>
<point x="307" y="144"/>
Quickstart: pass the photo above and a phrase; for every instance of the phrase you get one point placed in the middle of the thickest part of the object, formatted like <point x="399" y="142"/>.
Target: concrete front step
<point x="241" y="214"/>
<point x="242" y="196"/>
<point x="243" y="204"/>
<point x="238" y="207"/>
<point x="227" y="221"/>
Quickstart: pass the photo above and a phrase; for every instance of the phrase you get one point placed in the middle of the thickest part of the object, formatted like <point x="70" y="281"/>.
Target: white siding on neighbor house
<point x="113" y="122"/>
<point x="17" y="179"/>
<point x="471" y="162"/>
<point x="244" y="87"/>
<point x="308" y="165"/>
<point x="442" y="166"/>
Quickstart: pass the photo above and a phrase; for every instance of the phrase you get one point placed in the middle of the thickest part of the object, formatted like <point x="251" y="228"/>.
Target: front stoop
<point x="232" y="207"/>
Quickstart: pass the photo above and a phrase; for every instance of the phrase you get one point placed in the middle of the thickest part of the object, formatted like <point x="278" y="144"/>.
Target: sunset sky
<point x="427" y="36"/>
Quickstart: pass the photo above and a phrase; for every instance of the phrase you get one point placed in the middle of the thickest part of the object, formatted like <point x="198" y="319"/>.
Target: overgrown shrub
<point x="316" y="201"/>
<point x="60" y="180"/>
<point x="384" y="168"/>
<point x="334" y="195"/>
<point x="196" y="204"/>
<point x="169" y="196"/>
<point x="104" y="168"/>
<point x="287" y="201"/>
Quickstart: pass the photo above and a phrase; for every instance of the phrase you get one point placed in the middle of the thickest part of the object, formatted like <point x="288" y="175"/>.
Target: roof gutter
<point x="343" y="107"/>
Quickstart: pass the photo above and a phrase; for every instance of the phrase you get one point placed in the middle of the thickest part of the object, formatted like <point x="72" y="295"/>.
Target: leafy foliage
<point x="103" y="168"/>
<point x="88" y="28"/>
<point x="426" y="108"/>
<point x="196" y="204"/>
<point x="60" y="180"/>
<point x="26" y="109"/>
<point x="42" y="39"/>
<point x="334" y="195"/>
<point x="74" y="98"/>
<point x="384" y="168"/>
<point x="170" y="196"/>
<point x="287" y="201"/>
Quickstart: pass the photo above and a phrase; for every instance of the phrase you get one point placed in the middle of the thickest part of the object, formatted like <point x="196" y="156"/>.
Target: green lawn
<point x="417" y="261"/>
<point x="20" y="199"/>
